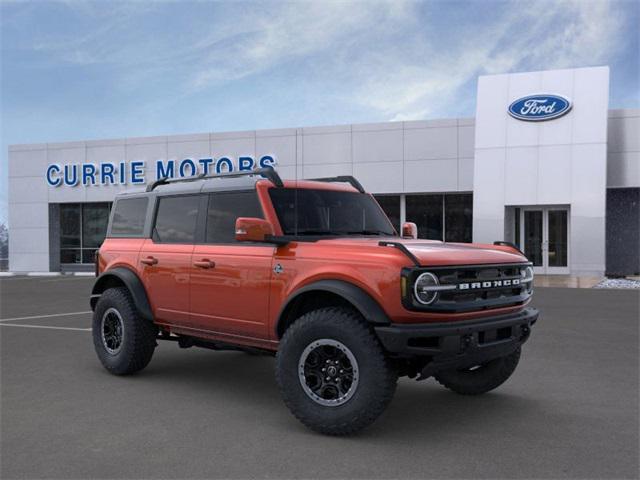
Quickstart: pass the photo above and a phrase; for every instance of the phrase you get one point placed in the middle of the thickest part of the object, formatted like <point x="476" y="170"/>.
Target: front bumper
<point x="455" y="345"/>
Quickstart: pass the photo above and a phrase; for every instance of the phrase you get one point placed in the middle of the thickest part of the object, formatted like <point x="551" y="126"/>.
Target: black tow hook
<point x="467" y="342"/>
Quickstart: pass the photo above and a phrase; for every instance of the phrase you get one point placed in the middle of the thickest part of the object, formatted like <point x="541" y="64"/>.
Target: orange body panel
<point x="231" y="292"/>
<point x="232" y="297"/>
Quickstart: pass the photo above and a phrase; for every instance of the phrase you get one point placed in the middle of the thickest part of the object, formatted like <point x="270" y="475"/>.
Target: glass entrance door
<point x="545" y="238"/>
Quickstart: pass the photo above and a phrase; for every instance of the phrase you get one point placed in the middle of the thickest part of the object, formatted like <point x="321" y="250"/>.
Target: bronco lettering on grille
<point x="509" y="282"/>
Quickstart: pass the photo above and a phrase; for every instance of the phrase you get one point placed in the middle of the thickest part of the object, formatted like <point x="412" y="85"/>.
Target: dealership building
<point x="544" y="164"/>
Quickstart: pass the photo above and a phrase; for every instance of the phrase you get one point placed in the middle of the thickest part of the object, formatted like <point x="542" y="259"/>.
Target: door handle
<point x="204" y="263"/>
<point x="149" y="260"/>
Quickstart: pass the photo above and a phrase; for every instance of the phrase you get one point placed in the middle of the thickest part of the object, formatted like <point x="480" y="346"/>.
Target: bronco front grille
<point x="473" y="287"/>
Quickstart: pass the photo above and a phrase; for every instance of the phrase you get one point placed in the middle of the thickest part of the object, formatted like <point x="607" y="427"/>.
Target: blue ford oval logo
<point x="535" y="108"/>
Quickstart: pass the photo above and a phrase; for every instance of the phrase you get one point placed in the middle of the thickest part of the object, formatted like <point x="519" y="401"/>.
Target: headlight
<point x="527" y="275"/>
<point x="426" y="288"/>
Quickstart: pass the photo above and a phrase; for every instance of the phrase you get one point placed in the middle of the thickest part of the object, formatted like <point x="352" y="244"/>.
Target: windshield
<point x="328" y="212"/>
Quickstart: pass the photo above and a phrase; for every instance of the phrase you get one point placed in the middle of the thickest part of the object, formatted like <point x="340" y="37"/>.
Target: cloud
<point x="534" y="36"/>
<point x="394" y="58"/>
<point x="294" y="30"/>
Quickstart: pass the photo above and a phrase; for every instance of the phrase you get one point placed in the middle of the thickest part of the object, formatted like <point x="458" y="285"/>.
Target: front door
<point x="230" y="280"/>
<point x="544" y="238"/>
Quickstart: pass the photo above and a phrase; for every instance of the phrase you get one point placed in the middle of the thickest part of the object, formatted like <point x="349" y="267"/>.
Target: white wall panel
<point x="326" y="148"/>
<point x="282" y="147"/>
<point x="491" y="101"/>
<point x="431" y="176"/>
<point x="30" y="240"/>
<point x="28" y="163"/>
<point x="377" y="146"/>
<point x="326" y="170"/>
<point x="623" y="169"/>
<point x="431" y="143"/>
<point x="554" y="174"/>
<point x="233" y="147"/>
<point x="194" y="149"/>
<point x="558" y="131"/>
<point x="588" y="180"/>
<point x="587" y="245"/>
<point x="488" y="203"/>
<point x="66" y="194"/>
<point x="28" y="215"/>
<point x="290" y="172"/>
<point x="624" y="134"/>
<point x="591" y="104"/>
<point x="466" y="141"/>
<point x="521" y="176"/>
<point x="28" y="189"/>
<point x="380" y="177"/>
<point x="465" y="174"/>
<point x="28" y="262"/>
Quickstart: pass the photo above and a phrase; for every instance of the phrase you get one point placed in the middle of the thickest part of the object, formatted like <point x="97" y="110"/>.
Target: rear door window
<point x="224" y="209"/>
<point x="129" y="216"/>
<point x="176" y="219"/>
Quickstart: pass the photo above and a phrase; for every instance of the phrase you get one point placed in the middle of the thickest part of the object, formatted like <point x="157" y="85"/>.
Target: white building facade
<point x="544" y="164"/>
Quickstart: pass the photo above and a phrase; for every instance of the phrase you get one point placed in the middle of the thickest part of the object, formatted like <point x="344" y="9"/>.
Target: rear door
<point x="165" y="258"/>
<point x="230" y="280"/>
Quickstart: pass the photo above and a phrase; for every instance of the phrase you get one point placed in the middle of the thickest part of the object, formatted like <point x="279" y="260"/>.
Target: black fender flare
<point x="356" y="296"/>
<point x="133" y="284"/>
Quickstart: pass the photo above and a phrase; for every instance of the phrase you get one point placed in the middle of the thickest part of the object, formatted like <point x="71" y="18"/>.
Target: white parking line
<point x="45" y="326"/>
<point x="15" y="319"/>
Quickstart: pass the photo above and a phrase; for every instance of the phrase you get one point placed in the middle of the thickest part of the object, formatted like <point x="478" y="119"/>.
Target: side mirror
<point x="409" y="230"/>
<point x="252" y="229"/>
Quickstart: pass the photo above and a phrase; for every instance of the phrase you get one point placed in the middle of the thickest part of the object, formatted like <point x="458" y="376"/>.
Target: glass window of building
<point x="82" y="230"/>
<point x="458" y="217"/>
<point x="446" y="217"/>
<point x="426" y="212"/>
<point x="391" y="206"/>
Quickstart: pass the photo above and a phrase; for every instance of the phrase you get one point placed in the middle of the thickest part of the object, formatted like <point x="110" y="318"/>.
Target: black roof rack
<point x="265" y="172"/>
<point x="342" y="178"/>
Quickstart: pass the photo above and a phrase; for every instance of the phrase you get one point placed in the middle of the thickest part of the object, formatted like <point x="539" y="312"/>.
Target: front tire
<point x="481" y="379"/>
<point x="124" y="342"/>
<point x="332" y="372"/>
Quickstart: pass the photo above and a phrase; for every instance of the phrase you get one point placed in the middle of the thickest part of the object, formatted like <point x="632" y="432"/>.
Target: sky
<point x="74" y="70"/>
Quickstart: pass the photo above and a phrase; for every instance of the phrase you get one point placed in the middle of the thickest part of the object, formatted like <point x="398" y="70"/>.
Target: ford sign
<point x="536" y="108"/>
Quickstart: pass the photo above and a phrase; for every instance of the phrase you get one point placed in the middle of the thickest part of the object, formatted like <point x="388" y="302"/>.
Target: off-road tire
<point x="377" y="377"/>
<point x="138" y="341"/>
<point x="482" y="379"/>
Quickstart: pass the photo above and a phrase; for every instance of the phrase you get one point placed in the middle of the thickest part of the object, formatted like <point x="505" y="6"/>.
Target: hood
<point x="435" y="253"/>
<point x="442" y="253"/>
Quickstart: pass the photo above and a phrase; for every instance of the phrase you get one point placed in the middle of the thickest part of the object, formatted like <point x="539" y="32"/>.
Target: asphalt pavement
<point x="569" y="411"/>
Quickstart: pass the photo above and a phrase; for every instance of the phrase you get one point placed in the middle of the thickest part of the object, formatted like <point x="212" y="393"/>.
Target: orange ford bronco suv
<point x="313" y="272"/>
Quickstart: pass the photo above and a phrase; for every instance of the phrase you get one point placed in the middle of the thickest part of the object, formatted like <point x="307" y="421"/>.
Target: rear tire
<point x="359" y="382"/>
<point x="482" y="379"/>
<point x="124" y="341"/>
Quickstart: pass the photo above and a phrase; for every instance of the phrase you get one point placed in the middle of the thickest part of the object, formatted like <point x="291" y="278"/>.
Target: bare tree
<point x="4" y="241"/>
